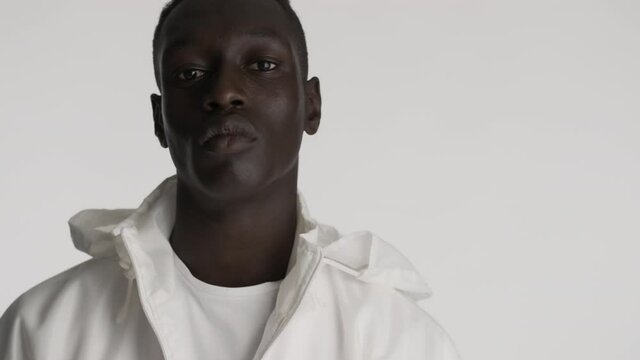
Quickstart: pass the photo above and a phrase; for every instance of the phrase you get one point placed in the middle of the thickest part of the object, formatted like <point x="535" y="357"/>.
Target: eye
<point x="263" y="65"/>
<point x="190" y="74"/>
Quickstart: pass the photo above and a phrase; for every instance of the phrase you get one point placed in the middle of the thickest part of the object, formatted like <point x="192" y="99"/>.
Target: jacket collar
<point x="142" y="244"/>
<point x="140" y="236"/>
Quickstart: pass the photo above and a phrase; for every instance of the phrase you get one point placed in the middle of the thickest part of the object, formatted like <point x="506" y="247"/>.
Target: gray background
<point x="500" y="154"/>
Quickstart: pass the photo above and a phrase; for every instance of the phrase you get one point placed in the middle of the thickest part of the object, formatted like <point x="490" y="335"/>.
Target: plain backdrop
<point x="495" y="143"/>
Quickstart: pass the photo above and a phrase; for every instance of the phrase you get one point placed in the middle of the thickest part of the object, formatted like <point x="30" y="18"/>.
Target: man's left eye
<point x="263" y="65"/>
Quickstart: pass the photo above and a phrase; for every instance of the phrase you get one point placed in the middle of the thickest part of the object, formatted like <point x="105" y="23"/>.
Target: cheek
<point x="287" y="123"/>
<point x="181" y="116"/>
<point x="284" y="151"/>
<point x="178" y="147"/>
<point x="178" y="110"/>
<point x="178" y="130"/>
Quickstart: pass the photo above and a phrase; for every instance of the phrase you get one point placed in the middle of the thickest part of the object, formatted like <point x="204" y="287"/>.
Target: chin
<point x="227" y="185"/>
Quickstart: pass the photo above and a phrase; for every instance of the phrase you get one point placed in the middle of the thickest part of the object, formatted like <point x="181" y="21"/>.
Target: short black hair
<point x="300" y="38"/>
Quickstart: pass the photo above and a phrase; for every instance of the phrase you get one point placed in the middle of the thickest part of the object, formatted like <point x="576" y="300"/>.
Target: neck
<point x="236" y="243"/>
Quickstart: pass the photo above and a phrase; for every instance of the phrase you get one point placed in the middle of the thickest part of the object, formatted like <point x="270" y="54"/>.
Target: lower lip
<point x="227" y="144"/>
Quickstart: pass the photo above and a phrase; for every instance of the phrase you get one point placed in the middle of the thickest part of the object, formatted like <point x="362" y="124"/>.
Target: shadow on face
<point x="234" y="103"/>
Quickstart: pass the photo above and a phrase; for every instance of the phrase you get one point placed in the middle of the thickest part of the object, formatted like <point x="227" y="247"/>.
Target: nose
<point x="225" y="92"/>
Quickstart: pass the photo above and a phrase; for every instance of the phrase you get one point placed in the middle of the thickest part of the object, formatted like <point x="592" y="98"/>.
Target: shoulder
<point x="372" y="300"/>
<point x="382" y="312"/>
<point x="79" y="287"/>
<point x="89" y="275"/>
<point x="372" y="288"/>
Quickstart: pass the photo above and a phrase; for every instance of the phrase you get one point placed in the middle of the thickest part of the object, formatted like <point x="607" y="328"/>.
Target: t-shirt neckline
<point x="222" y="291"/>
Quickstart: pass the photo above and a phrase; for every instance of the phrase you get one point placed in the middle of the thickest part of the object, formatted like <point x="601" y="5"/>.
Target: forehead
<point x="203" y="21"/>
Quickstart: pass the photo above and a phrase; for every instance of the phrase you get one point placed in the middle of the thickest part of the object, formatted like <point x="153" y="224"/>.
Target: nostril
<point x="223" y="102"/>
<point x="237" y="103"/>
<point x="212" y="105"/>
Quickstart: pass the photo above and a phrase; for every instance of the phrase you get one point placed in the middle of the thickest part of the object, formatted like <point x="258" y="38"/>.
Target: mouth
<point x="230" y="135"/>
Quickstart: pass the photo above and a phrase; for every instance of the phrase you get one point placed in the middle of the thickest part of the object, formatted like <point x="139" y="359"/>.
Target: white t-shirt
<point x="223" y="322"/>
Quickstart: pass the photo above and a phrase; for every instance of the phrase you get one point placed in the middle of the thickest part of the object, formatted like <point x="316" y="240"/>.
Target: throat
<point x="246" y="247"/>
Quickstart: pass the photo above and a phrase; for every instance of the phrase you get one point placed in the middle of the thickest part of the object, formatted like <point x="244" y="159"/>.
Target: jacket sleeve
<point x="14" y="340"/>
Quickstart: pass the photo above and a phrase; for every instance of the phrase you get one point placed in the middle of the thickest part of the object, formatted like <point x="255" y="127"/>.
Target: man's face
<point x="229" y="64"/>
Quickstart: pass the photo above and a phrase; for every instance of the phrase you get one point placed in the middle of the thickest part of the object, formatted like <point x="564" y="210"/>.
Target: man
<point x="222" y="260"/>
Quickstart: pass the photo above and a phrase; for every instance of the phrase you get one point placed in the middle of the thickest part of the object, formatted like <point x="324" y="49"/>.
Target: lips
<point x="230" y="134"/>
<point x="232" y="126"/>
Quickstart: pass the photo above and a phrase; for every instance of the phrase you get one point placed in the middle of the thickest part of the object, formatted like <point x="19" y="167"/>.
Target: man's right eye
<point x="190" y="74"/>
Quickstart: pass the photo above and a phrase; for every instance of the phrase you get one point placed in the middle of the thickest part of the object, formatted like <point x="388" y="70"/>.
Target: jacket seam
<point x="27" y="340"/>
<point x="293" y="310"/>
<point x="360" y="342"/>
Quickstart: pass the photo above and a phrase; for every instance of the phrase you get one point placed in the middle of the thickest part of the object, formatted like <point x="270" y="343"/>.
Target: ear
<point x="158" y="124"/>
<point x="314" y="105"/>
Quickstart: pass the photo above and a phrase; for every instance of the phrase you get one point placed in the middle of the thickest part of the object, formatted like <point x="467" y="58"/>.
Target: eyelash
<point x="254" y="66"/>
<point x="180" y="77"/>
<point x="275" y="65"/>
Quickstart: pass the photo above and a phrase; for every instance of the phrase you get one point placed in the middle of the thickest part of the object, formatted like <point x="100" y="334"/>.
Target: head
<point x="300" y="38"/>
<point x="224" y="65"/>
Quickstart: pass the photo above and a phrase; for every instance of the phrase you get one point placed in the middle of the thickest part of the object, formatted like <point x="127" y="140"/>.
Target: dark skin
<point x="235" y="212"/>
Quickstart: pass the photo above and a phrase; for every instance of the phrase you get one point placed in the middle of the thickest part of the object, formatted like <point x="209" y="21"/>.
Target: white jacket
<point x="345" y="297"/>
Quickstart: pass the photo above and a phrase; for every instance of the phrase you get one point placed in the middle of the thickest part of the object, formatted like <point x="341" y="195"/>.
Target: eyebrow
<point x="260" y="34"/>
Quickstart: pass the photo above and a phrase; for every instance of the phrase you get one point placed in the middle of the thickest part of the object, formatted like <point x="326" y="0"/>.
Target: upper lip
<point x="231" y="124"/>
